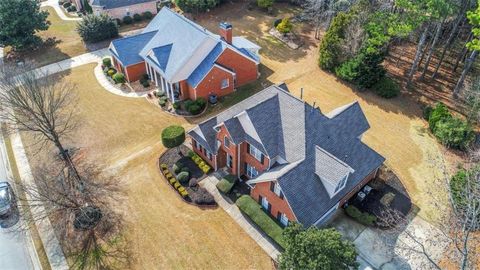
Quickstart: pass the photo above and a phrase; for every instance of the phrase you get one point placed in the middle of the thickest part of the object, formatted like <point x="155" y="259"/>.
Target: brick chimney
<point x="226" y="32"/>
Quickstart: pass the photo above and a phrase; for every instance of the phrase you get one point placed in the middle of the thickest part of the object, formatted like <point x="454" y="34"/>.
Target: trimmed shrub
<point x="137" y="17"/>
<point x="252" y="209"/>
<point x="202" y="102"/>
<point x="181" y="189"/>
<point x="168" y="175"/>
<point x="67" y="4"/>
<point x="176" y="185"/>
<point x="119" y="78"/>
<point x="176" y="168"/>
<point x="162" y="102"/>
<point x="147" y="15"/>
<point x="202" y="196"/>
<point x="185" y="169"/>
<point x="386" y="88"/>
<point x="276" y="22"/>
<point x="107" y="62"/>
<point x="175" y="106"/>
<point x="193" y="182"/>
<point x="173" y="136"/>
<point x="226" y="184"/>
<point x="285" y="26"/>
<point x="159" y="93"/>
<point x="72" y="8"/>
<point x="172" y="180"/>
<point x="127" y="20"/>
<point x="194" y="109"/>
<point x="190" y="153"/>
<point x="364" y="218"/>
<point x="95" y="28"/>
<point x="163" y="166"/>
<point x="184" y="193"/>
<point x="183" y="177"/>
<point x="111" y="72"/>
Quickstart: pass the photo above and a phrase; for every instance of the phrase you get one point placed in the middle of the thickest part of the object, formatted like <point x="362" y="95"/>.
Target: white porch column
<point x="147" y="67"/>
<point x="163" y="86"/>
<point x="170" y="88"/>
<point x="155" y="78"/>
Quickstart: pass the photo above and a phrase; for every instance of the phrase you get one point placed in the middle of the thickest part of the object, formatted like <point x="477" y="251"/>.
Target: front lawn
<point x="252" y="209"/>
<point x="123" y="135"/>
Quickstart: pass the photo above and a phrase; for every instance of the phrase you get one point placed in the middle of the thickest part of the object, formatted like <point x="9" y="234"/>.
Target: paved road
<point x="16" y="247"/>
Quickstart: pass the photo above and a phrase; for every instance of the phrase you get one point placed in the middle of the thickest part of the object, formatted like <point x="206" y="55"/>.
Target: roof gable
<point x="127" y="49"/>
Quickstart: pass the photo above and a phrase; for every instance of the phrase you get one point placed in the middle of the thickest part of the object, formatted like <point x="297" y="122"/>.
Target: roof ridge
<point x="133" y="36"/>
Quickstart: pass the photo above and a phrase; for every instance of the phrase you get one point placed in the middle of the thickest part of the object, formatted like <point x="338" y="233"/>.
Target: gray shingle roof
<point x="109" y="4"/>
<point x="287" y="127"/>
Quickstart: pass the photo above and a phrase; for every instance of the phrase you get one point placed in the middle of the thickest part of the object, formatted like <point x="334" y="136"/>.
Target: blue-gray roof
<point x="289" y="128"/>
<point x="127" y="49"/>
<point x="109" y="4"/>
<point x="205" y="66"/>
<point x="162" y="54"/>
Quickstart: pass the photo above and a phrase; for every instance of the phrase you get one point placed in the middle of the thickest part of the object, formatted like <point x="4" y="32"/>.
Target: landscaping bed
<point x="186" y="108"/>
<point x="254" y="211"/>
<point x="182" y="173"/>
<point x="233" y="189"/>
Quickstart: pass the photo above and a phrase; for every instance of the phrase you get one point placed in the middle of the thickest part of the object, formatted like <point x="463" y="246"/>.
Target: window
<point x="251" y="171"/>
<point x="225" y="83"/>
<point x="253" y="151"/>
<point x="229" y="161"/>
<point x="226" y="142"/>
<point x="284" y="219"/>
<point x="194" y="143"/>
<point x="277" y="189"/>
<point x="209" y="155"/>
<point x="265" y="204"/>
<point x="341" y="184"/>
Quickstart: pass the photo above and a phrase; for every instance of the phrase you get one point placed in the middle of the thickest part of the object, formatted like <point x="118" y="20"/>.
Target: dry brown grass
<point x="164" y="233"/>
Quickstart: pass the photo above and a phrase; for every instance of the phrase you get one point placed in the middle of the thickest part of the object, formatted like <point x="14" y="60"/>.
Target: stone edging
<point x="203" y="206"/>
<point x="105" y="83"/>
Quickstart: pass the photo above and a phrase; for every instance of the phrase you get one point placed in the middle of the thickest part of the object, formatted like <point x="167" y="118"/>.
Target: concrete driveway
<point x="388" y="249"/>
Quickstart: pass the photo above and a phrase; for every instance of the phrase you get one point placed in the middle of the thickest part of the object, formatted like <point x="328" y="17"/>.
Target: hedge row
<point x="173" y="181"/>
<point x="362" y="217"/>
<point x="199" y="161"/>
<point x="252" y="209"/>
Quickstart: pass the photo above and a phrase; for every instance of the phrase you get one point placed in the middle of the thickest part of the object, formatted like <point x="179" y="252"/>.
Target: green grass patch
<point x="226" y="184"/>
<point x="252" y="209"/>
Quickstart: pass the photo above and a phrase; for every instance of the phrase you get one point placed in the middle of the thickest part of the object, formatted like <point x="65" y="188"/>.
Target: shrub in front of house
<point x="137" y="17"/>
<point x="193" y="182"/>
<point x="226" y="184"/>
<point x="362" y="217"/>
<point x="147" y="15"/>
<point x="190" y="153"/>
<point x="111" y="72"/>
<point x="95" y="28"/>
<point x="67" y="4"/>
<point x="163" y="166"/>
<point x="183" y="177"/>
<point x="202" y="165"/>
<point x="118" y="21"/>
<point x="159" y="93"/>
<point x="107" y="62"/>
<point x="162" y="102"/>
<point x="72" y="8"/>
<point x="127" y="20"/>
<point x="386" y="88"/>
<point x="252" y="209"/>
<point x="119" y="78"/>
<point x="202" y="196"/>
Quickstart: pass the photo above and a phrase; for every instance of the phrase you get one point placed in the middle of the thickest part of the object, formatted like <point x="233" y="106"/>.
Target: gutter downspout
<point x="238" y="162"/>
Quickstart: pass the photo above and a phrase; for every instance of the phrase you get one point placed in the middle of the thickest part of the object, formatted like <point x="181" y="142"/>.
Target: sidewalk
<point x="50" y="242"/>
<point x="262" y="240"/>
<point x="58" y="10"/>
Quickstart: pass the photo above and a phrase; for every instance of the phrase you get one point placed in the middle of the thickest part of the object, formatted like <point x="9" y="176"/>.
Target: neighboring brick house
<point x="301" y="164"/>
<point x="121" y="8"/>
<point x="185" y="60"/>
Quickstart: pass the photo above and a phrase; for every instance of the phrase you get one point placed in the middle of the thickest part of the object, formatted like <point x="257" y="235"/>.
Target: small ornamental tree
<point x="20" y="21"/>
<point x="315" y="248"/>
<point x="173" y="136"/>
<point x="285" y="26"/>
<point x="95" y="28"/>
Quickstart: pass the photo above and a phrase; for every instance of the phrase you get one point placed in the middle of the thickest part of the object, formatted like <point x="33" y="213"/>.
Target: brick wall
<point x="135" y="72"/>
<point x="245" y="157"/>
<point x="133" y="9"/>
<point x="211" y="84"/>
<point x="203" y="154"/>
<point x="358" y="187"/>
<point x="278" y="204"/>
<point x="245" y="69"/>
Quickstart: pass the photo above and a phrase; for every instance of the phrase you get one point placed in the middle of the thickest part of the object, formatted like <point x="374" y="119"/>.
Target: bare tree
<point x="40" y="104"/>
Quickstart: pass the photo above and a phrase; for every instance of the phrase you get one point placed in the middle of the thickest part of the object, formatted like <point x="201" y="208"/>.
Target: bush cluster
<point x="95" y="28"/>
<point x="173" y="136"/>
<point x="202" y="196"/>
<point x="162" y="101"/>
<point x="67" y="4"/>
<point x="111" y="71"/>
<point x="195" y="107"/>
<point x="364" y="218"/>
<point x="127" y="20"/>
<point x="330" y="47"/>
<point x="173" y="181"/>
<point x="252" y="209"/>
<point x="137" y="17"/>
<point x="72" y="8"/>
<point x="144" y="80"/>
<point x="200" y="163"/>
<point x="285" y="26"/>
<point x="107" y="62"/>
<point x="147" y="15"/>
<point x="226" y="184"/>
<point x="183" y="173"/>
<point x="452" y="131"/>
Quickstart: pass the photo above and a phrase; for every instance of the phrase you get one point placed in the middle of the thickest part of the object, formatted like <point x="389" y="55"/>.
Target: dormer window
<point x="341" y="184"/>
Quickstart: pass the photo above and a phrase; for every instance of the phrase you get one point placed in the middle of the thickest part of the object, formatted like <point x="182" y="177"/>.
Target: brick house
<point x="185" y="60"/>
<point x="121" y="8"/>
<point x="301" y="164"/>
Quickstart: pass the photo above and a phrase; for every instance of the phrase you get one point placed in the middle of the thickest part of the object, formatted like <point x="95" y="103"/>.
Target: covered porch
<point x="171" y="90"/>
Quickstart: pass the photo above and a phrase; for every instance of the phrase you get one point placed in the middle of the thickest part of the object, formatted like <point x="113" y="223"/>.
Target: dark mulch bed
<point x="172" y="156"/>
<point x="239" y="189"/>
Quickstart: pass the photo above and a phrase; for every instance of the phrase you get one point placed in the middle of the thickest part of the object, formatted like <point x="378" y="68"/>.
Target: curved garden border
<point x="186" y="116"/>
<point x="203" y="206"/>
<point x="105" y="83"/>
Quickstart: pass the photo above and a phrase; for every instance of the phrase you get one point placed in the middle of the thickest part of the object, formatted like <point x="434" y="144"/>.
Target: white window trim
<point x="250" y="170"/>
<point x="284" y="220"/>
<point x="225" y="86"/>
<point x="229" y="158"/>
<point x="265" y="201"/>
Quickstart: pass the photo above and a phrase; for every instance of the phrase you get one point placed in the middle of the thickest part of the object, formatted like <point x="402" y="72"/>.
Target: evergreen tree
<point x="20" y="21"/>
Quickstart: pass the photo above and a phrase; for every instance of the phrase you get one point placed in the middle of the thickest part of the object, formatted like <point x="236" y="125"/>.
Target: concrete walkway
<point x="58" y="10"/>
<point x="262" y="240"/>
<point x="50" y="242"/>
<point x="103" y="81"/>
